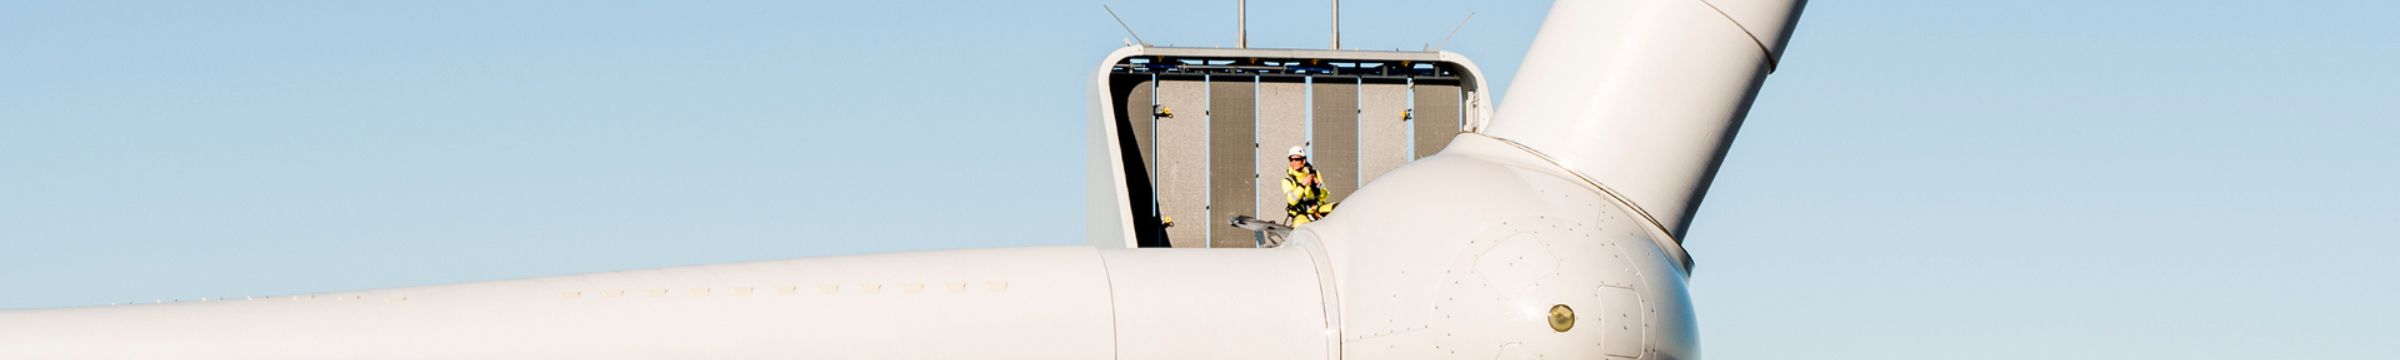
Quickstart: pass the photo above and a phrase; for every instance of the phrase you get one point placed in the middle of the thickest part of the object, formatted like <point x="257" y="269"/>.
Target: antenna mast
<point x="1241" y="23"/>
<point x="1462" y="24"/>
<point x="1137" y="38"/>
<point x="1337" y="24"/>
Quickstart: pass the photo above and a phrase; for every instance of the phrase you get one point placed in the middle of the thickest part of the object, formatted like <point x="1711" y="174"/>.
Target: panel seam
<point x="1116" y="346"/>
<point x="1737" y="24"/>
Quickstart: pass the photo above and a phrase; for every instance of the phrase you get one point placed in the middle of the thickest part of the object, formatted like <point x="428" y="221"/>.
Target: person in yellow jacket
<point x="1304" y="196"/>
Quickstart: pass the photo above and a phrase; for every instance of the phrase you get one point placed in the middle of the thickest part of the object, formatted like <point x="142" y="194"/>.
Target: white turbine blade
<point x="1644" y="96"/>
<point x="1010" y="303"/>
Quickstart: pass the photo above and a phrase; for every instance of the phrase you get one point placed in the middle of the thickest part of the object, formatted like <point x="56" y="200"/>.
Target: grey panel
<point x="1383" y="131"/>
<point x="1232" y="157"/>
<point x="1282" y="124"/>
<point x="1437" y="115"/>
<point x="1183" y="160"/>
<point x="1334" y="132"/>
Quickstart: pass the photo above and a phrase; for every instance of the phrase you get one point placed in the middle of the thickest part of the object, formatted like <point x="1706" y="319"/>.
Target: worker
<point x="1304" y="196"/>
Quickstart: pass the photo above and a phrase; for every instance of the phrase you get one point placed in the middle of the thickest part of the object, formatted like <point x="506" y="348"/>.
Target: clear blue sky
<point x="1977" y="180"/>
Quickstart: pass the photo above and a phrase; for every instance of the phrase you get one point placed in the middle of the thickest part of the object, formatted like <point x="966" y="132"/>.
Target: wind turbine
<point x="1549" y="232"/>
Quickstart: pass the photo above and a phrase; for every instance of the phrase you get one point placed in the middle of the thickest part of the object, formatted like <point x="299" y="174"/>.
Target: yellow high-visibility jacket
<point x="1304" y="203"/>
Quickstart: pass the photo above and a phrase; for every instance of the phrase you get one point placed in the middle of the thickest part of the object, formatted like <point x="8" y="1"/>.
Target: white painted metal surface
<point x="1459" y="256"/>
<point x="1216" y="304"/>
<point x="1455" y="256"/>
<point x="1644" y="95"/>
<point x="1010" y="303"/>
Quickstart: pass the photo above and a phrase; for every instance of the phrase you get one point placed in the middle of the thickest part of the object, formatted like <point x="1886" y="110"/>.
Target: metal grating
<point x="1382" y="131"/>
<point x="1282" y="124"/>
<point x="1183" y="159"/>
<point x="1220" y="152"/>
<point x="1334" y="134"/>
<point x="1232" y="156"/>
<point x="1437" y="115"/>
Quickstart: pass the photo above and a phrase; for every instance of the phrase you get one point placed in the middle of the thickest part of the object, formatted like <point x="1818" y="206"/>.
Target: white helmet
<point x="1300" y="150"/>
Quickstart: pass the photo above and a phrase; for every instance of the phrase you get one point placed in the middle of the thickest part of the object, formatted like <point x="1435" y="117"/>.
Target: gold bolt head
<point x="1561" y="318"/>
